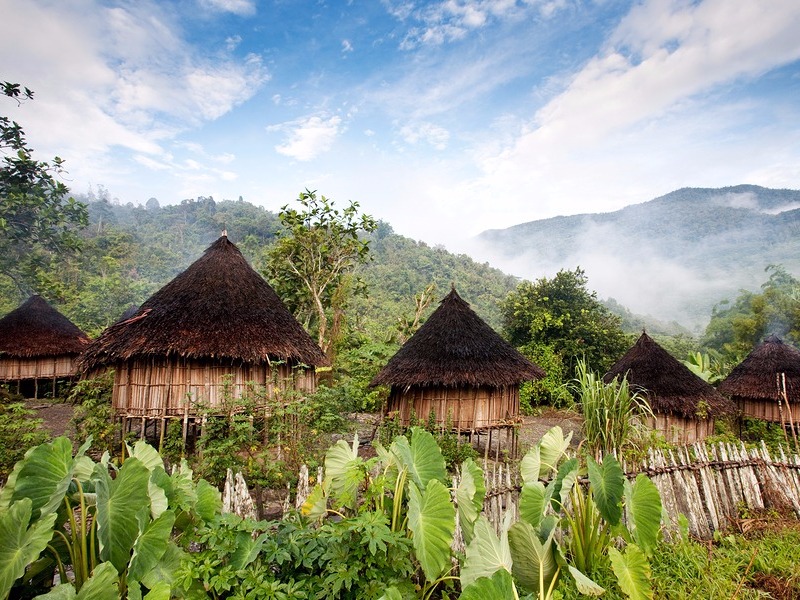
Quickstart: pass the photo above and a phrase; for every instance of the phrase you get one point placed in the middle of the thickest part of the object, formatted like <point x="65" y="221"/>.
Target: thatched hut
<point x="38" y="344"/>
<point x="684" y="406"/>
<point x="458" y="367"/>
<point x="766" y="384"/>
<point x="215" y="332"/>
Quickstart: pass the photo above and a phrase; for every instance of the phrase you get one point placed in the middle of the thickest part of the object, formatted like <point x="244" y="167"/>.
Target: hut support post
<point x="789" y="409"/>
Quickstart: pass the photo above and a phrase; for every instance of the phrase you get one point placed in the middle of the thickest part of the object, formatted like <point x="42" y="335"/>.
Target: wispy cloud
<point x="425" y="132"/>
<point x="243" y="8"/>
<point x="308" y="137"/>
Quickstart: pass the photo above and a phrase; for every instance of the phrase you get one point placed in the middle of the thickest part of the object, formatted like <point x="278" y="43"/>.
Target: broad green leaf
<point x="530" y="466"/>
<point x="344" y="472"/>
<point x="431" y="519"/>
<point x="632" y="571"/>
<point x="316" y="505"/>
<point x="209" y="501"/>
<point x="102" y="585"/>
<point x="485" y="554"/>
<point x="20" y="545"/>
<point x="7" y="491"/>
<point x="532" y="502"/>
<point x="161" y="591"/>
<point x="422" y="457"/>
<point x="83" y="468"/>
<point x="63" y="591"/>
<point x="158" y="497"/>
<point x="148" y="455"/>
<point x="566" y="477"/>
<point x="535" y="563"/>
<point x="608" y="483"/>
<point x="246" y="550"/>
<point x="166" y="568"/>
<point x="499" y="587"/>
<point x="643" y="503"/>
<point x="553" y="446"/>
<point x="151" y="545"/>
<point x="585" y="586"/>
<point x="118" y="503"/>
<point x="184" y="494"/>
<point x="45" y="476"/>
<point x="391" y="594"/>
<point x="470" y="493"/>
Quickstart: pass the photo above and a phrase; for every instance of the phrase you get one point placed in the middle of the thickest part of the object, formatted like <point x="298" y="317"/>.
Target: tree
<point x="736" y="328"/>
<point x="564" y="315"/>
<point x="37" y="217"/>
<point x="311" y="264"/>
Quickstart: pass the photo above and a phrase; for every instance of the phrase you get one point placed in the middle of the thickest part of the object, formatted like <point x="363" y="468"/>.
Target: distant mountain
<point x="673" y="257"/>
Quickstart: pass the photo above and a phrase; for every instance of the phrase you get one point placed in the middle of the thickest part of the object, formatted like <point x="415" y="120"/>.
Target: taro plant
<point x="567" y="526"/>
<point x="407" y="482"/>
<point x="103" y="528"/>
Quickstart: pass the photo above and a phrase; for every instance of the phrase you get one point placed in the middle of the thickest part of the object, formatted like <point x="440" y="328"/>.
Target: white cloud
<point x="243" y="8"/>
<point x="309" y="137"/>
<point x="347" y="46"/>
<point x="426" y="132"/>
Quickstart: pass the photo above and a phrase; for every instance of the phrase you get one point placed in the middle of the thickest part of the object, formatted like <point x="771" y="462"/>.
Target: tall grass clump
<point x="613" y="413"/>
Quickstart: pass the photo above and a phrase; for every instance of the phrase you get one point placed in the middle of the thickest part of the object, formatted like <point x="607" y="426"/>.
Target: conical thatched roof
<point x="38" y="329"/>
<point x="456" y="347"/>
<point x="757" y="375"/>
<point x="670" y="387"/>
<point x="217" y="308"/>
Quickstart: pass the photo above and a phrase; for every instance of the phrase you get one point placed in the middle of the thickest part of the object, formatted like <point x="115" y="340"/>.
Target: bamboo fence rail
<point x="711" y="486"/>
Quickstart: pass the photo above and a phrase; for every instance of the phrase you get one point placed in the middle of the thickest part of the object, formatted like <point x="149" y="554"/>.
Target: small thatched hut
<point x="766" y="384"/>
<point x="684" y="406"/>
<point x="38" y="344"/>
<point x="215" y="331"/>
<point x="458" y="367"/>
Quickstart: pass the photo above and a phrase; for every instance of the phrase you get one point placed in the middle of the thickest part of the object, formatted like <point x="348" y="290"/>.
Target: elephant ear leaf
<point x="643" y="503"/>
<point x="608" y="482"/>
<point x="344" y="472"/>
<point x="20" y="545"/>
<point x="432" y="521"/>
<point x="422" y="457"/>
<point x="535" y="563"/>
<point x="45" y="476"/>
<point x="118" y="503"/>
<point x="632" y="571"/>
<point x="486" y="553"/>
<point x="499" y="587"/>
<point x="470" y="493"/>
<point x="553" y="446"/>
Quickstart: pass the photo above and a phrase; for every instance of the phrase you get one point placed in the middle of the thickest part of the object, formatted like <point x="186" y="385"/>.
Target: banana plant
<point x="87" y="519"/>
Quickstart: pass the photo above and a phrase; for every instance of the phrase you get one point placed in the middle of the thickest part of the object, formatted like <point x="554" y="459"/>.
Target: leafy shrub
<point x="92" y="418"/>
<point x="19" y="430"/>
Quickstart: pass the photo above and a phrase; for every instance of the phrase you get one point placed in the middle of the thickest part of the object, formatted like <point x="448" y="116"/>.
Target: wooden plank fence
<point x="712" y="486"/>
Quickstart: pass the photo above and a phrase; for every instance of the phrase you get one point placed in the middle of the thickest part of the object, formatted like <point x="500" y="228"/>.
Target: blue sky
<point x="442" y="118"/>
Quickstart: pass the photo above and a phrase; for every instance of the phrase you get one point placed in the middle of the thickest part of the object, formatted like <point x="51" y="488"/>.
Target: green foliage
<point x="105" y="529"/>
<point x="92" y="417"/>
<point x="311" y="265"/>
<point x="736" y="328"/>
<point x="19" y="430"/>
<point x="563" y="314"/>
<point x="550" y="390"/>
<point x="37" y="218"/>
<point x="612" y="413"/>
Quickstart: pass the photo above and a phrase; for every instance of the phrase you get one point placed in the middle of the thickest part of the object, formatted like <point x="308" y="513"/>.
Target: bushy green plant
<point x="93" y="416"/>
<point x="550" y="390"/>
<point x="19" y="430"/>
<point x="612" y="413"/>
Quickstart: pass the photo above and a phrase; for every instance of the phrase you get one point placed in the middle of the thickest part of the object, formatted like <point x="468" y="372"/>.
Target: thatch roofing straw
<point x="455" y="347"/>
<point x="670" y="387"/>
<point x="217" y="308"/>
<point x="37" y="329"/>
<point x="756" y="377"/>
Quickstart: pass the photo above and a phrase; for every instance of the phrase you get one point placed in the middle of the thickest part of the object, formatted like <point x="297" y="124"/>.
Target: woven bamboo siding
<point x="677" y="430"/>
<point x="465" y="408"/>
<point x="768" y="410"/>
<point x="160" y="388"/>
<point x="42" y="367"/>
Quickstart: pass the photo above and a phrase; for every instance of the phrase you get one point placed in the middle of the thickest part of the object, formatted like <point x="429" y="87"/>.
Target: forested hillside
<point x="130" y="251"/>
<point x="674" y="257"/>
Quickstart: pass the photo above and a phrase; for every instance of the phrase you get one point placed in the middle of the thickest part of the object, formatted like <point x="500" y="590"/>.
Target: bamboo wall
<point x="159" y="388"/>
<point x="42" y="367"/>
<point x="679" y="430"/>
<point x="466" y="408"/>
<point x="768" y="410"/>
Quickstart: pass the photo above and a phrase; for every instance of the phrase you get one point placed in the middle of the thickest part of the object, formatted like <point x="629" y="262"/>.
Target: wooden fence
<point x="712" y="487"/>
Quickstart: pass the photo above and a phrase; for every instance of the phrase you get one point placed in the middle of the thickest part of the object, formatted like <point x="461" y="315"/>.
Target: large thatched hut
<point x="38" y="347"/>
<point x="458" y="367"/>
<point x="215" y="332"/>
<point x="684" y="406"/>
<point x="766" y="384"/>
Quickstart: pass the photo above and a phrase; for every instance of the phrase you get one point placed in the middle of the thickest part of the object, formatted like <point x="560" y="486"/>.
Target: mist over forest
<point x="673" y="258"/>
